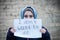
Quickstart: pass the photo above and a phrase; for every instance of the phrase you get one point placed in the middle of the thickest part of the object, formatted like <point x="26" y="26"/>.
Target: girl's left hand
<point x="43" y="30"/>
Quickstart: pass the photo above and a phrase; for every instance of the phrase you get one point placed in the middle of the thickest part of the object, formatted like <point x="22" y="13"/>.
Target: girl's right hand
<point x="12" y="30"/>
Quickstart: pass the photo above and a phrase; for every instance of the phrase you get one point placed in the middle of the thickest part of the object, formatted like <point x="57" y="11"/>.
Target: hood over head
<point x="30" y="8"/>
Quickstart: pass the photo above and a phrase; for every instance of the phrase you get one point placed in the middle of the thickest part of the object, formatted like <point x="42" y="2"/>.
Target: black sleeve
<point x="46" y="36"/>
<point x="10" y="35"/>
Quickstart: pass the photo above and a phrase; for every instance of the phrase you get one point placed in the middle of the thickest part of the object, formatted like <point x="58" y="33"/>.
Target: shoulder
<point x="10" y="28"/>
<point x="44" y="27"/>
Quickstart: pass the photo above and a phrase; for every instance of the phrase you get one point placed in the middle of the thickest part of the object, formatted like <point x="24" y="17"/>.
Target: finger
<point x="42" y="30"/>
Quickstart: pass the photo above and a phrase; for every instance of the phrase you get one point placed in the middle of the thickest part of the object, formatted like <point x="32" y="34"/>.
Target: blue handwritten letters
<point x="28" y="28"/>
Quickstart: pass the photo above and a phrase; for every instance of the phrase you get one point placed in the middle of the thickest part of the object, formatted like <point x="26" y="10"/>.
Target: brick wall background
<point x="48" y="11"/>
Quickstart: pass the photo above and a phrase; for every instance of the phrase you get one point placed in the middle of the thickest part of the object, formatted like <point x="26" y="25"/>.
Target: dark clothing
<point x="10" y="36"/>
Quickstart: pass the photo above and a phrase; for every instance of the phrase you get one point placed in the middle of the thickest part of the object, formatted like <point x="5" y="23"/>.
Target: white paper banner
<point x="28" y="28"/>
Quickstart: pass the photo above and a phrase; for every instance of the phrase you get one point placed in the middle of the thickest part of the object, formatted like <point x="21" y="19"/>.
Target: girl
<point x="28" y="13"/>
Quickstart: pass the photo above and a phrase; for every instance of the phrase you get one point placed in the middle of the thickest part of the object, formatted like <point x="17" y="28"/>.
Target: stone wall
<point x="48" y="11"/>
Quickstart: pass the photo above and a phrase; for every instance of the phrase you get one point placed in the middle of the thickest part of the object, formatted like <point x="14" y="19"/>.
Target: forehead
<point x="28" y="13"/>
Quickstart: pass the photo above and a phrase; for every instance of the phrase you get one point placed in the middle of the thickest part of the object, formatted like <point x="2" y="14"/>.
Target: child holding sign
<point x="28" y="13"/>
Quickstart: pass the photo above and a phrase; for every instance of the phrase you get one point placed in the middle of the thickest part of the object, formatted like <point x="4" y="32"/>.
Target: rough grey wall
<point x="48" y="11"/>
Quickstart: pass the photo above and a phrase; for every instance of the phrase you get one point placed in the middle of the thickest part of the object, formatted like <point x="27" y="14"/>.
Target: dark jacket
<point x="10" y="36"/>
